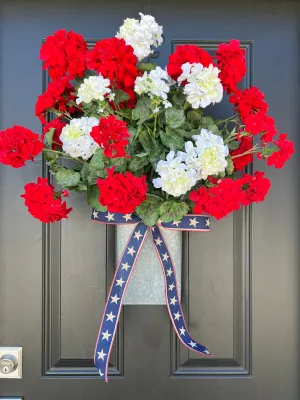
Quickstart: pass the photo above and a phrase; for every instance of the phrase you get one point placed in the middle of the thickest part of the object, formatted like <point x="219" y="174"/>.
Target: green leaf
<point x="119" y="162"/>
<point x="188" y="134"/>
<point x="175" y="117"/>
<point x="195" y="115"/>
<point x="93" y="194"/>
<point x="233" y="144"/>
<point x="137" y="162"/>
<point x="155" y="156"/>
<point x="179" y="97"/>
<point x="148" y="211"/>
<point x="78" y="188"/>
<point x="172" y="139"/>
<point x="48" y="138"/>
<point x="125" y="113"/>
<point x="172" y="210"/>
<point x="230" y="166"/>
<point x="50" y="156"/>
<point x="147" y="141"/>
<point x="214" y="129"/>
<point x="206" y="121"/>
<point x="120" y="96"/>
<point x="147" y="66"/>
<point x="67" y="177"/>
<point x="96" y="167"/>
<point x="142" y="110"/>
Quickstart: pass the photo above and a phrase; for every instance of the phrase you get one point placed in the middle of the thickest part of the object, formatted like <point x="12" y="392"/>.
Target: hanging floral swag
<point x="141" y="147"/>
<point x="138" y="135"/>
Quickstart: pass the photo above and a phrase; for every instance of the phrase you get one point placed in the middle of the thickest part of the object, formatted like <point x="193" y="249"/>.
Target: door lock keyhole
<point x="8" y="364"/>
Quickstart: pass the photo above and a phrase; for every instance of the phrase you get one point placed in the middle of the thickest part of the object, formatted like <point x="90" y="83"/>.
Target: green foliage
<point x="148" y="211"/>
<point x="67" y="177"/>
<point x="195" y="115"/>
<point x="120" y="96"/>
<point x="178" y="96"/>
<point x="50" y="156"/>
<point x="137" y="162"/>
<point x="230" y="166"/>
<point x="96" y="167"/>
<point x="147" y="141"/>
<point x="233" y="144"/>
<point x="147" y="66"/>
<point x="142" y="110"/>
<point x="93" y="198"/>
<point x="120" y="164"/>
<point x="48" y="138"/>
<point x="172" y="210"/>
<point x="172" y="139"/>
<point x="175" y="117"/>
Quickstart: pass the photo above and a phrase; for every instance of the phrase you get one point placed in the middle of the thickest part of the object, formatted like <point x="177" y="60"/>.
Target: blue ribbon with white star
<point x="124" y="270"/>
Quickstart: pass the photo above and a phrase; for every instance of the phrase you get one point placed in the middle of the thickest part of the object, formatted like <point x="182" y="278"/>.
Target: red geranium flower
<point x="219" y="200"/>
<point x="57" y="96"/>
<point x="284" y="153"/>
<point x="111" y="135"/>
<point x="64" y="54"/>
<point x="187" y="53"/>
<point x="232" y="63"/>
<point x="57" y="125"/>
<point x="255" y="187"/>
<point x="114" y="60"/>
<point x="246" y="144"/>
<point x="44" y="203"/>
<point x="249" y="101"/>
<point x="261" y="123"/>
<point x="122" y="192"/>
<point x="228" y="195"/>
<point x="17" y="145"/>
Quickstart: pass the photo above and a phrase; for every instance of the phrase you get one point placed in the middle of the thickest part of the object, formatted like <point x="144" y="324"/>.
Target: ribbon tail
<point x="112" y="310"/>
<point x="171" y="294"/>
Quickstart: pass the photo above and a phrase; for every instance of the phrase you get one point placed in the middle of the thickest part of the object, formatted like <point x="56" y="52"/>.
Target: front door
<point x="240" y="282"/>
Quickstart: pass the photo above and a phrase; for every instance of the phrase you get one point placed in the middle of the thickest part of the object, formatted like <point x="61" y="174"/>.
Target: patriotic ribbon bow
<point x="124" y="270"/>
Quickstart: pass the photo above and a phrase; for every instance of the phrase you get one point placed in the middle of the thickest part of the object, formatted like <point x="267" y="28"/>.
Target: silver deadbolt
<point x="8" y="364"/>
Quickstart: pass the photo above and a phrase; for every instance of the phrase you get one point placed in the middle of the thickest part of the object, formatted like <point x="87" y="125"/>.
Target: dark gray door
<point x="241" y="281"/>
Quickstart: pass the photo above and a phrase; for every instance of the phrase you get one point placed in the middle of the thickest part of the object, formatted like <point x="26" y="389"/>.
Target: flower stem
<point x="232" y="118"/>
<point x="64" y="156"/>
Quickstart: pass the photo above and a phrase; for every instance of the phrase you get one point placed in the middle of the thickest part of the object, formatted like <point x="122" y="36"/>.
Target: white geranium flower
<point x="175" y="178"/>
<point x="76" y="138"/>
<point x="154" y="83"/>
<point x="211" y="154"/>
<point x="204" y="86"/>
<point x="191" y="158"/>
<point x="93" y="88"/>
<point x="141" y="35"/>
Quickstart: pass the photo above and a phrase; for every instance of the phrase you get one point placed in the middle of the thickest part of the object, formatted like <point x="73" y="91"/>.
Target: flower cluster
<point x="203" y="85"/>
<point x="18" y="145"/>
<point x="59" y="98"/>
<point x="122" y="192"/>
<point x="44" y="203"/>
<point x="141" y="35"/>
<point x="155" y="84"/>
<point x="229" y="195"/>
<point x="64" y="54"/>
<point x="111" y="135"/>
<point x="179" y="174"/>
<point x="93" y="88"/>
<point x="76" y="138"/>
<point x="140" y="137"/>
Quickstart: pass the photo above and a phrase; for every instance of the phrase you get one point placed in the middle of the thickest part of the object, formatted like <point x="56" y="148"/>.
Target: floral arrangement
<point x="135" y="138"/>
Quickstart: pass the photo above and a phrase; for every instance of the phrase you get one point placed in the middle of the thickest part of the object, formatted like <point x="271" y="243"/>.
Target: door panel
<point x="240" y="281"/>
